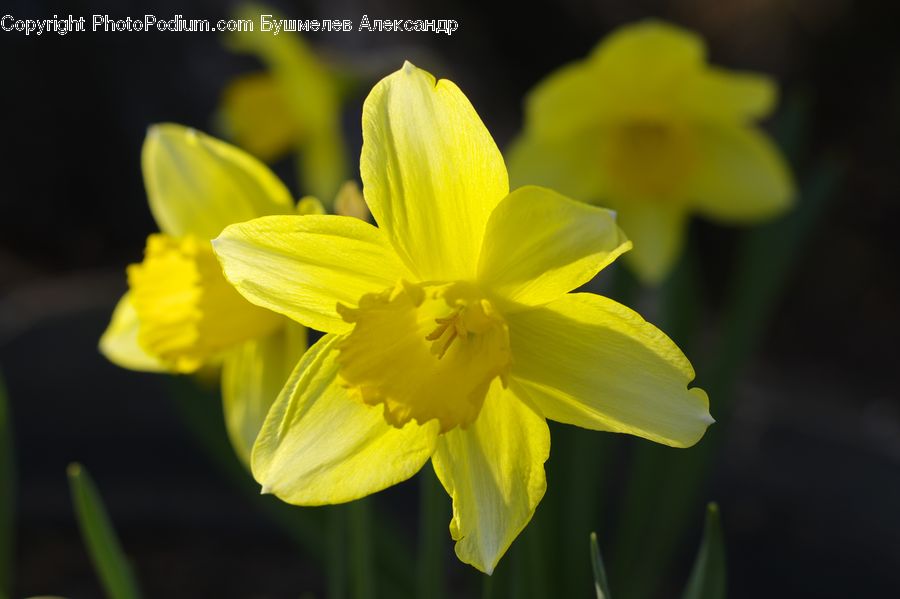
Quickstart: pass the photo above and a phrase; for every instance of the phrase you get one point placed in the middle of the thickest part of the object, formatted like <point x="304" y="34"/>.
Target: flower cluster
<point x="453" y="328"/>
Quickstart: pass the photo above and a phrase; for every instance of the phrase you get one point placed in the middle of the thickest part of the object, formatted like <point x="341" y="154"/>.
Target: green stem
<point x="336" y="564"/>
<point x="487" y="587"/>
<point x="362" y="570"/>
<point x="518" y="586"/>
<point x="535" y="539"/>
<point x="434" y="512"/>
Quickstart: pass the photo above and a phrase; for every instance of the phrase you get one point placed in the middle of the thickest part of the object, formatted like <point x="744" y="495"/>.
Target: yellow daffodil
<point x="645" y="126"/>
<point x="293" y="106"/>
<point x="451" y="334"/>
<point x="180" y="314"/>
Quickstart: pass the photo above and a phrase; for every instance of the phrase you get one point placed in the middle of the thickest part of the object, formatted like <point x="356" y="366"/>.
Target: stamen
<point x="446" y="345"/>
<point x="451" y="323"/>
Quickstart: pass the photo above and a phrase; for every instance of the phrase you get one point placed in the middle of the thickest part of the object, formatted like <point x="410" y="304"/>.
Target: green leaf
<point x="601" y="586"/>
<point x="7" y="495"/>
<point x="709" y="579"/>
<point x="110" y="562"/>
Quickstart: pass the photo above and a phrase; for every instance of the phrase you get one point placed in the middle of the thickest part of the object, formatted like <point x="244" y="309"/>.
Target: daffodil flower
<point x="293" y="105"/>
<point x="451" y="334"/>
<point x="645" y="126"/>
<point x="180" y="314"/>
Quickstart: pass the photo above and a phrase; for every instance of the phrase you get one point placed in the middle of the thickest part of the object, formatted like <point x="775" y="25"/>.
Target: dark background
<point x="809" y="478"/>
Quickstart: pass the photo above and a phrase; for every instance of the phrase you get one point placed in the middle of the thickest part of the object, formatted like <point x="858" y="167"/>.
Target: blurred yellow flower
<point x="256" y="114"/>
<point x="180" y="314"/>
<point x="645" y="126"/>
<point x="293" y="105"/>
<point x="451" y="334"/>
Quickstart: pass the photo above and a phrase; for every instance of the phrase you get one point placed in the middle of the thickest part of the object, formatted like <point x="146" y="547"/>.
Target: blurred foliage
<point x="708" y="575"/>
<point x="664" y="486"/>
<point x="349" y="546"/>
<point x="99" y="537"/>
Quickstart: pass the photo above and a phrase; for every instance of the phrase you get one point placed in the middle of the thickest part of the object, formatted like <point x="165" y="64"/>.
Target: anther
<point x="449" y="323"/>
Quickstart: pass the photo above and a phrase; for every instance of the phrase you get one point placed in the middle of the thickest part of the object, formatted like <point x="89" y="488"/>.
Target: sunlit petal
<point x="540" y="245"/>
<point x="431" y="172"/>
<point x="303" y="266"/>
<point x="252" y="377"/>
<point x="743" y="178"/>
<point x="589" y="361"/>
<point x="198" y="185"/>
<point x="119" y="342"/>
<point x="318" y="445"/>
<point x="494" y="471"/>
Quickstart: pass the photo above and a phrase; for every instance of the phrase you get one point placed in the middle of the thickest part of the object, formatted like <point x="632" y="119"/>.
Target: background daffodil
<point x="180" y="313"/>
<point x="294" y="105"/>
<point x="451" y="334"/>
<point x="645" y="126"/>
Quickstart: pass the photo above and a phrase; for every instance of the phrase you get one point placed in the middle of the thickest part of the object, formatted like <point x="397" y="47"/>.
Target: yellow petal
<point x="719" y="94"/>
<point x="119" y="342"/>
<point x="540" y="245"/>
<point x="657" y="229"/>
<point x="589" y="361"/>
<point x="641" y="66"/>
<point x="198" y="185"/>
<point x="570" y="165"/>
<point x="252" y="376"/>
<point x="566" y="102"/>
<point x="257" y="116"/>
<point x="303" y="266"/>
<point x="319" y="446"/>
<point x="431" y="172"/>
<point x="635" y="70"/>
<point x="742" y="176"/>
<point x="663" y="47"/>
<point x="494" y="471"/>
